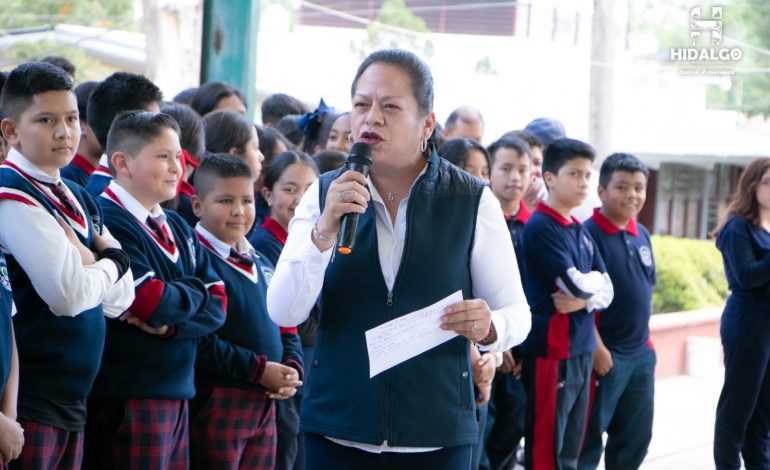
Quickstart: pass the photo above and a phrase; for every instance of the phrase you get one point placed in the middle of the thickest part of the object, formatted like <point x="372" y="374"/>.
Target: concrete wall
<point x="670" y="332"/>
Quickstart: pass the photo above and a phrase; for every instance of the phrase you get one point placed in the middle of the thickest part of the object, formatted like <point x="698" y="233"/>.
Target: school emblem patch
<point x="268" y="274"/>
<point x="646" y="256"/>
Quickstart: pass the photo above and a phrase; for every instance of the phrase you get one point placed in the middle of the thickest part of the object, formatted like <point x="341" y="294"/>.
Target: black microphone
<point x="360" y="159"/>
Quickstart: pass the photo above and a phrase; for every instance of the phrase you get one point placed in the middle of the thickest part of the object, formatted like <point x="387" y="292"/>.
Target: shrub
<point x="690" y="275"/>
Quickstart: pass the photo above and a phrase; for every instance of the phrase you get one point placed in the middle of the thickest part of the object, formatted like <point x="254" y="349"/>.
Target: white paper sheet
<point x="407" y="336"/>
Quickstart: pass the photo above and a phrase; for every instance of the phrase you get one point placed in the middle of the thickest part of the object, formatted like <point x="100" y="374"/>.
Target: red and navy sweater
<point x="78" y="170"/>
<point x="175" y="286"/>
<point x="236" y="353"/>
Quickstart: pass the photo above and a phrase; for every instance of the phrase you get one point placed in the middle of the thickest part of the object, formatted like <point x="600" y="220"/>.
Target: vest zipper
<point x="388" y="375"/>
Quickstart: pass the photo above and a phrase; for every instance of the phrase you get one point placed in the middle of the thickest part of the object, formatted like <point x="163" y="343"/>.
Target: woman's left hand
<point x="469" y="318"/>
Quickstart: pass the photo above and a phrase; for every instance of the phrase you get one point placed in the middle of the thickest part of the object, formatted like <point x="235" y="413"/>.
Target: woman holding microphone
<point x="426" y="229"/>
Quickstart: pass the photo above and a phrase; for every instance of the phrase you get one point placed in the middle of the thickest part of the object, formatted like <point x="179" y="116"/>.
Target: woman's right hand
<point x="347" y="194"/>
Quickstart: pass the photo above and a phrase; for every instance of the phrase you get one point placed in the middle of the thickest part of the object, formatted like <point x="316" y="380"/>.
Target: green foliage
<point x="86" y="67"/>
<point x="690" y="275"/>
<point x="24" y="13"/>
<point x="395" y="27"/>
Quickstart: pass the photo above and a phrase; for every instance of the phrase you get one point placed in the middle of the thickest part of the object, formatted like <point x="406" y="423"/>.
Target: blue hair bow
<point x="310" y="123"/>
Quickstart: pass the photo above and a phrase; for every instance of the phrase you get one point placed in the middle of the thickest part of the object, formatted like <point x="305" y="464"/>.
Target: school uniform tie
<point x="157" y="228"/>
<point x="239" y="258"/>
<point x="60" y="192"/>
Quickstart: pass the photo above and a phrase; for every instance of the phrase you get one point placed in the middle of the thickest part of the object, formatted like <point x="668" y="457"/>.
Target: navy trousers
<point x="743" y="412"/>
<point x="323" y="454"/>
<point x="505" y="422"/>
<point x="557" y="410"/>
<point x="622" y="406"/>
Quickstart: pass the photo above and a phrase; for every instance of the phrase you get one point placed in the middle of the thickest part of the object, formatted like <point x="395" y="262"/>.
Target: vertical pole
<point x="229" y="52"/>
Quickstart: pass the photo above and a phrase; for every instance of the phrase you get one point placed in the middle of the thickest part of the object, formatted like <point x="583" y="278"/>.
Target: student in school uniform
<point x="138" y="414"/>
<point x="742" y="428"/>
<point x="193" y="142"/>
<point x="60" y="289"/>
<point x="121" y="91"/>
<point x="510" y="176"/>
<point x="241" y="368"/>
<point x="285" y="182"/>
<point x="86" y="159"/>
<point x="11" y="433"/>
<point x="624" y="359"/>
<point x="565" y="282"/>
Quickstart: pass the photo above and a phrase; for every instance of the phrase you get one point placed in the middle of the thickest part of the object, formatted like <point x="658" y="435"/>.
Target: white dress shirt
<point x="495" y="276"/>
<point x="32" y="236"/>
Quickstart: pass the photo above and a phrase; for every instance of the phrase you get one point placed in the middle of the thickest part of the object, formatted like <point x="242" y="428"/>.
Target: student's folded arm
<point x="223" y="358"/>
<point x="738" y="253"/>
<point x="292" y="350"/>
<point x="496" y="278"/>
<point x="603" y="296"/>
<point x="300" y="270"/>
<point x="212" y="313"/>
<point x="120" y="297"/>
<point x="156" y="302"/>
<point x="53" y="264"/>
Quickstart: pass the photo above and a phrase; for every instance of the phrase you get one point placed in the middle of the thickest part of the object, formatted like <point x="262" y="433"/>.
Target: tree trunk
<point x="173" y="35"/>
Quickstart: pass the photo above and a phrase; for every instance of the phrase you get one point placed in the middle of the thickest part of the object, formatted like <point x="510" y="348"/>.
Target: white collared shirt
<point x="300" y="271"/>
<point x="134" y="207"/>
<point x="32" y="236"/>
<point x="223" y="249"/>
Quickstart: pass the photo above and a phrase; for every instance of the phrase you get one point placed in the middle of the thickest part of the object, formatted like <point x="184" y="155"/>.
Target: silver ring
<point x="342" y="196"/>
<point x="475" y="328"/>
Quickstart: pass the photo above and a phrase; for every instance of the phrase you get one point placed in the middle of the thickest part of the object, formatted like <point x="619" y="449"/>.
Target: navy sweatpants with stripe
<point x="742" y="425"/>
<point x="557" y="410"/>
<point x="622" y="405"/>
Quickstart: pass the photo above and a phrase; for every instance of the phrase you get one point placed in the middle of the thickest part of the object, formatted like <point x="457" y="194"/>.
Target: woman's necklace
<point x="392" y="195"/>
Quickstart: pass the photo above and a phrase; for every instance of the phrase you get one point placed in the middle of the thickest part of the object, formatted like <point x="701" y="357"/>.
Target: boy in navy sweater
<point x="62" y="293"/>
<point x="86" y="160"/>
<point x="121" y="91"/>
<point x="509" y="178"/>
<point x="239" y="366"/>
<point x="138" y="415"/>
<point x="624" y="361"/>
<point x="565" y="282"/>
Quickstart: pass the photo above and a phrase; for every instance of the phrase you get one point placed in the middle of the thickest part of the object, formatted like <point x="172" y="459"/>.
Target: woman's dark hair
<point x="209" y="94"/>
<point x="283" y="161"/>
<point x="82" y="92"/>
<point x="531" y="139"/>
<point x="225" y="130"/>
<point x="268" y="137"/>
<point x="287" y="126"/>
<point x="329" y="160"/>
<point x="419" y="75"/>
<point x="743" y="202"/>
<point x="192" y="137"/>
<point x="185" y="96"/>
<point x="457" y="151"/>
<point x="520" y="146"/>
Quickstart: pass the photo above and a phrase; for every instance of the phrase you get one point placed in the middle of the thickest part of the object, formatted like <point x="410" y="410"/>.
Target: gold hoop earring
<point x="424" y="145"/>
